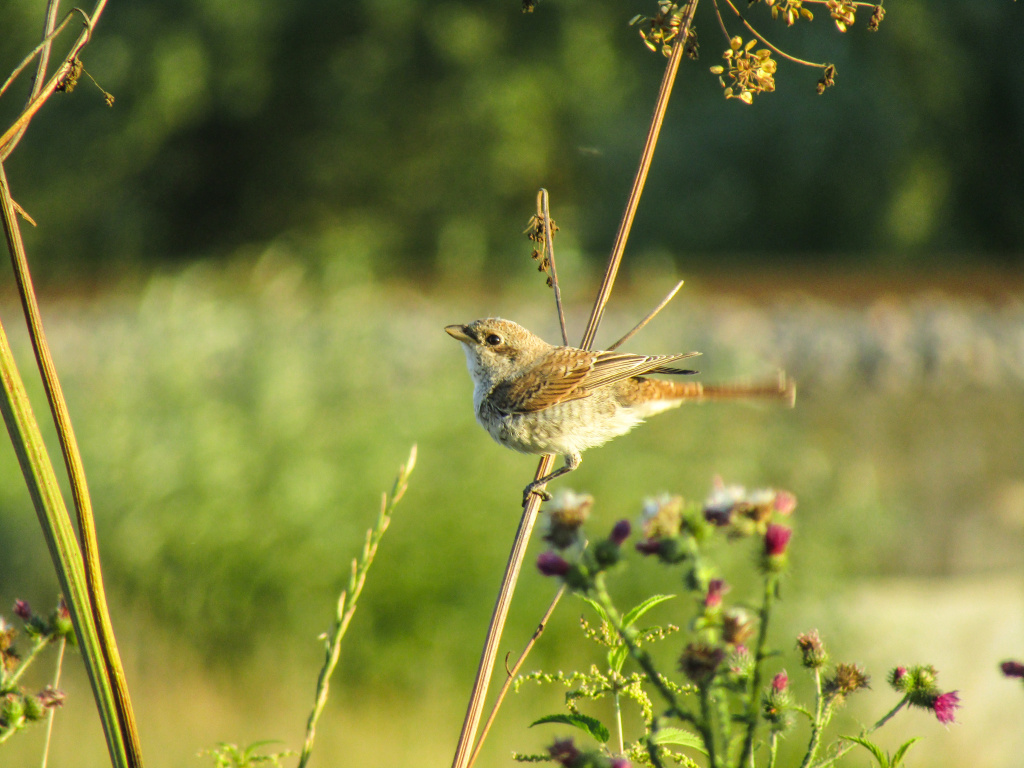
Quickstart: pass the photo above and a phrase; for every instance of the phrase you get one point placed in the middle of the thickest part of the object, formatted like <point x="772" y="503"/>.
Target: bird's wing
<point x="569" y="374"/>
<point x="610" y="367"/>
<point x="553" y="381"/>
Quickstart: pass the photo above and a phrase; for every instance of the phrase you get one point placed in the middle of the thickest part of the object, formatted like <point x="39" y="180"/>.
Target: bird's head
<point x="497" y="349"/>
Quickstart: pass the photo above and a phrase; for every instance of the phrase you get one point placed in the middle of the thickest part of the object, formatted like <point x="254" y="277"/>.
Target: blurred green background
<point x="246" y="263"/>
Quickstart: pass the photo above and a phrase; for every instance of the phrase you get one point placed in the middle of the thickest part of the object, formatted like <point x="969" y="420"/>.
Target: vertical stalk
<point x="771" y="581"/>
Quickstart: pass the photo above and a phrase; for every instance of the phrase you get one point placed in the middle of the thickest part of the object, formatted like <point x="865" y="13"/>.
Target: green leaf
<point x="898" y="757"/>
<point x="679" y="737"/>
<point x="617" y="657"/>
<point x="874" y="749"/>
<point x="596" y="606"/>
<point x="591" y="725"/>
<point x="637" y="611"/>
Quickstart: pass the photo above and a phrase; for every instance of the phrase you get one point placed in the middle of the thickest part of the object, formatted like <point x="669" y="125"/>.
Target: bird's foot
<point x="535" y="488"/>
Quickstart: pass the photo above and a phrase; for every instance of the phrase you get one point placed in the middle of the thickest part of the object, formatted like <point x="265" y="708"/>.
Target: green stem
<point x="706" y="726"/>
<point x="10" y="682"/>
<point x="847" y="746"/>
<point x="349" y="598"/>
<point x="773" y="748"/>
<point x="747" y="753"/>
<point x="53" y="710"/>
<point x="618" y="721"/>
<point x="818" y="723"/>
<point x="640" y="656"/>
<point x="27" y="439"/>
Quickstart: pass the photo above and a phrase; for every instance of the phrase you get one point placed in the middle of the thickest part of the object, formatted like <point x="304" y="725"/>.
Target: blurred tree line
<point x="378" y="136"/>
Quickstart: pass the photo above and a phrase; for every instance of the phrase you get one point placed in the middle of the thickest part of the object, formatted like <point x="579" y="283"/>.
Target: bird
<point x="538" y="398"/>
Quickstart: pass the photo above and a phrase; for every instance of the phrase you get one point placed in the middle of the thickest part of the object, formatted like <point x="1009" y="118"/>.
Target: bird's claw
<point x="533" y="488"/>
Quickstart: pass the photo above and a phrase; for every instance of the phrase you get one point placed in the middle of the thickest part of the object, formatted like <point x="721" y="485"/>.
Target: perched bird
<point x="534" y="397"/>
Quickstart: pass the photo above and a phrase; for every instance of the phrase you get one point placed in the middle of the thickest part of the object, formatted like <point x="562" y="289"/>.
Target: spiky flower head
<point x="737" y="626"/>
<point x="700" y="661"/>
<point x="565" y="514"/>
<point x="847" y="679"/>
<point x="812" y="650"/>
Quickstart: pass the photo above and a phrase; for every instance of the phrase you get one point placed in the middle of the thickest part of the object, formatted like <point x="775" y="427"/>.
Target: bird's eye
<point x="493" y="339"/>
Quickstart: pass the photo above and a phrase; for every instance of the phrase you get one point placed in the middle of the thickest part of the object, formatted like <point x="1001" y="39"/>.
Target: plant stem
<point x="474" y="709"/>
<point x="847" y="746"/>
<point x="10" y="682"/>
<point x="350" y="596"/>
<point x="646" y="156"/>
<point x="706" y="726"/>
<point x="512" y="673"/>
<point x="773" y="748"/>
<point x="618" y="721"/>
<point x="53" y="710"/>
<point x="818" y="723"/>
<point x="771" y="581"/>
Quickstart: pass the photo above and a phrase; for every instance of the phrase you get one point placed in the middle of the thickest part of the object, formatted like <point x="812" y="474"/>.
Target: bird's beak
<point x="458" y="332"/>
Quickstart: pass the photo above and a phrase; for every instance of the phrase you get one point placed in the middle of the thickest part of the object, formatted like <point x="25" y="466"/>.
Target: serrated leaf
<point x="679" y="737"/>
<point x="898" y="757"/>
<point x="593" y="604"/>
<point x="874" y="749"/>
<point x="639" y="610"/>
<point x="591" y="725"/>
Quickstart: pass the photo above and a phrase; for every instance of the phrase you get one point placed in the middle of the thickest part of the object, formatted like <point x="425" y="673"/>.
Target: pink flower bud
<point x="1012" y="668"/>
<point x="780" y="682"/>
<point x="552" y="564"/>
<point x="716" y="588"/>
<point x="776" y="539"/>
<point x="620" y="532"/>
<point x="22" y="610"/>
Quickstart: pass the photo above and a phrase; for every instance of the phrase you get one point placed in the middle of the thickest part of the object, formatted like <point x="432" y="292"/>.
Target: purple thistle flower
<point x="552" y="564"/>
<point x="648" y="546"/>
<point x="1012" y="668"/>
<point x="945" y="706"/>
<point x="564" y="752"/>
<point x="620" y="532"/>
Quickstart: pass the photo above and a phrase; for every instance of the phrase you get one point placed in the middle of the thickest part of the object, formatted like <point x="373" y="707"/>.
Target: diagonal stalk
<point x="489" y="655"/>
<point x="95" y="595"/>
<point x="646" y="156"/>
<point x="60" y="539"/>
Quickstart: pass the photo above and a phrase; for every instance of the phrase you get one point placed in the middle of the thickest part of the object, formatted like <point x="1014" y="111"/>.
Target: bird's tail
<point x="782" y="390"/>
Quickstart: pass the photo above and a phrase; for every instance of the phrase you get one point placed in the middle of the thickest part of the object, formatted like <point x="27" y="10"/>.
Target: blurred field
<point x="239" y="424"/>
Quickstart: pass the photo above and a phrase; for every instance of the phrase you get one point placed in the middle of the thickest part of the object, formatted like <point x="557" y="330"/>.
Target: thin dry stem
<point x="650" y="316"/>
<point x="53" y="710"/>
<point x="612" y="269"/>
<point x="42" y="50"/>
<point x="544" y="214"/>
<point x="51" y="85"/>
<point x="349" y="598"/>
<point x="511" y="673"/>
<point x="489" y="655"/>
<point x="498" y="616"/>
<point x="764" y="40"/>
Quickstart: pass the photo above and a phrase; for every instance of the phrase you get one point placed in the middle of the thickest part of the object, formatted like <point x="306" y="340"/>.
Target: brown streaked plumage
<point x="537" y="398"/>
